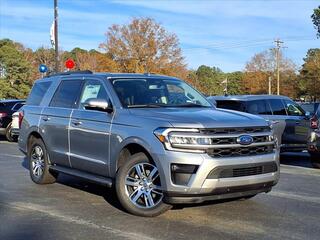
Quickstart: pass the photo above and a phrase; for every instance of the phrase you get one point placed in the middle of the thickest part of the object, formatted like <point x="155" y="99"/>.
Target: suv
<point x="291" y="123"/>
<point x="7" y="108"/>
<point x="314" y="139"/>
<point x="154" y="138"/>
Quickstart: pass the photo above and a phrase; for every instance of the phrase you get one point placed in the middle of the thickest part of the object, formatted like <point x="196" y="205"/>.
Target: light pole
<point x="56" y="49"/>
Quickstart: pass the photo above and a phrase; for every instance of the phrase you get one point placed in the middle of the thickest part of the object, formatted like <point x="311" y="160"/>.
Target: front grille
<point x="240" y="151"/>
<point x="240" y="130"/>
<point x="224" y="141"/>
<point x="243" y="170"/>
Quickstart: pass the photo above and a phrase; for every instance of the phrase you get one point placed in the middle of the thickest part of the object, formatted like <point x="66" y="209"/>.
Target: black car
<point x="290" y="122"/>
<point x="7" y="108"/>
<point x="314" y="139"/>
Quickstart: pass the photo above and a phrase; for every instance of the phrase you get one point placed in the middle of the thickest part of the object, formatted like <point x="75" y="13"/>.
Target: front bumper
<point x="201" y="188"/>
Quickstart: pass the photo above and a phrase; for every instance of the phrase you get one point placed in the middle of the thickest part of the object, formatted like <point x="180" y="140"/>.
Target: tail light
<point x="3" y="114"/>
<point x="21" y="115"/>
<point x="314" y="122"/>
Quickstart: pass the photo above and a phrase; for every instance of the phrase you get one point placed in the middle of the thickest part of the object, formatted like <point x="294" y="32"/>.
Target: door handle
<point x="275" y="122"/>
<point x="45" y="119"/>
<point x="297" y="122"/>
<point x="76" y="123"/>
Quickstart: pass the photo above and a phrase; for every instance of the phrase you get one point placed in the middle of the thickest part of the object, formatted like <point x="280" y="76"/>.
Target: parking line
<point x="12" y="155"/>
<point x="293" y="196"/>
<point x="70" y="219"/>
<point x="299" y="170"/>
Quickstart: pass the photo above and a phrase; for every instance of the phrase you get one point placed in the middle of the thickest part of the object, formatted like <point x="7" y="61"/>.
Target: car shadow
<point x="300" y="159"/>
<point x="108" y="194"/>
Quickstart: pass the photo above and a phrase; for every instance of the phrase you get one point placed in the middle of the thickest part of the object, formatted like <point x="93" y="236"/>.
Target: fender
<point x="115" y="153"/>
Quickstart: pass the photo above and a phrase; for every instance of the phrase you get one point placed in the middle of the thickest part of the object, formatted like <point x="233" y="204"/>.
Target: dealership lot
<point x="74" y="209"/>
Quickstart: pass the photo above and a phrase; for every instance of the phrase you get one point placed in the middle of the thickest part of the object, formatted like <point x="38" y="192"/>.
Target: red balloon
<point x="69" y="64"/>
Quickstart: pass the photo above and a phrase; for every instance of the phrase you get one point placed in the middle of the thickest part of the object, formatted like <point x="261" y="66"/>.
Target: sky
<point x="224" y="33"/>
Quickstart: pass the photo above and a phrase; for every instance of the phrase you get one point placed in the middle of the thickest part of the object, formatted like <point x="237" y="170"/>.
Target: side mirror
<point x="98" y="105"/>
<point x="307" y="114"/>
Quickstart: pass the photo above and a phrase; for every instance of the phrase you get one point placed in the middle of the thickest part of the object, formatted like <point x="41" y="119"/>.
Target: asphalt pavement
<point x="75" y="209"/>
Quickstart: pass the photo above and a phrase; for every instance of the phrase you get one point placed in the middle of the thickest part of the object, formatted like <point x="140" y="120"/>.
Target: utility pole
<point x="278" y="46"/>
<point x="270" y="91"/>
<point x="56" y="48"/>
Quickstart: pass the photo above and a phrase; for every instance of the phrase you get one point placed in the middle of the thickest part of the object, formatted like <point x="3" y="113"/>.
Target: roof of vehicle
<point x="110" y="75"/>
<point x="248" y="97"/>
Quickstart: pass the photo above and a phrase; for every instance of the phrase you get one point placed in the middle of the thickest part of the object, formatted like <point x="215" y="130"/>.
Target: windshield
<point x="157" y="93"/>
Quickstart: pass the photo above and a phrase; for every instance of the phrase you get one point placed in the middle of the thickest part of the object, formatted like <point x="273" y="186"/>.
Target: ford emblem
<point x="245" y="140"/>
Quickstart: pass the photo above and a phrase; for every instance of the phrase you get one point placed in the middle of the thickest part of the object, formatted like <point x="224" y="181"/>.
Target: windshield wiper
<point x="191" y="105"/>
<point x="145" y="106"/>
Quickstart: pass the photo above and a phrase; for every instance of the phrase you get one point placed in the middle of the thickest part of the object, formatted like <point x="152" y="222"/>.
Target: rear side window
<point x="6" y="106"/>
<point x="277" y="107"/>
<point x="67" y="94"/>
<point x="37" y="93"/>
<point x="258" y="107"/>
<point x="231" y="104"/>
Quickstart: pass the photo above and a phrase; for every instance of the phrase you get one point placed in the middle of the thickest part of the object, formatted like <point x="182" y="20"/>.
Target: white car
<point x="15" y="125"/>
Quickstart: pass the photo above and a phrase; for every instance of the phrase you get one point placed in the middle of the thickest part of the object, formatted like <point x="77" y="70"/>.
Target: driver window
<point x="293" y="109"/>
<point x="93" y="89"/>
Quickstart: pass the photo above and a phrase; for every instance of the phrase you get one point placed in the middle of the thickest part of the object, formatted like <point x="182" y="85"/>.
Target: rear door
<point x="89" y="132"/>
<point x="55" y="120"/>
<point x="298" y="123"/>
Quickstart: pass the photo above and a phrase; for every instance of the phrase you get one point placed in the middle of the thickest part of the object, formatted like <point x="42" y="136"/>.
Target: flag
<point x="52" y="35"/>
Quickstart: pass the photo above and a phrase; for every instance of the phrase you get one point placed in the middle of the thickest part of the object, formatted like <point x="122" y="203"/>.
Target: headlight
<point x="181" y="139"/>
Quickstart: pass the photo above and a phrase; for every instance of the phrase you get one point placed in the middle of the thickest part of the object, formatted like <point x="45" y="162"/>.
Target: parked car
<point x="15" y="124"/>
<point x="309" y="107"/>
<point x="314" y="139"/>
<point x="7" y="108"/>
<point x="154" y="138"/>
<point x="291" y="123"/>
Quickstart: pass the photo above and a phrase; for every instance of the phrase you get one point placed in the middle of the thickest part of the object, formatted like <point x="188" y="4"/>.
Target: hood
<point x="200" y="117"/>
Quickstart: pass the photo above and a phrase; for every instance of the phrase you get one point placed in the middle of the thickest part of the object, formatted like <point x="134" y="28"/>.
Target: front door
<point x="90" y="132"/>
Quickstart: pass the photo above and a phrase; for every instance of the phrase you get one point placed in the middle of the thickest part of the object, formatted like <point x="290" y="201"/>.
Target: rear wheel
<point x="315" y="160"/>
<point x="9" y="135"/>
<point x="39" y="163"/>
<point x="138" y="187"/>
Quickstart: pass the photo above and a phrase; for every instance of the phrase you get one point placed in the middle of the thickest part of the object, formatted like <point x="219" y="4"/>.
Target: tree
<point x="316" y="20"/>
<point x="16" y="71"/>
<point x="262" y="66"/>
<point x="310" y="74"/>
<point x="234" y="82"/>
<point x="144" y="46"/>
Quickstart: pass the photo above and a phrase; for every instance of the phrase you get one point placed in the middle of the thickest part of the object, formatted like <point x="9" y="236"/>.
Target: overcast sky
<point x="225" y="33"/>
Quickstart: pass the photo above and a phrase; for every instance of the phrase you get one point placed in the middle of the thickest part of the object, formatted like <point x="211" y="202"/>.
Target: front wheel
<point x="138" y="187"/>
<point x="315" y="160"/>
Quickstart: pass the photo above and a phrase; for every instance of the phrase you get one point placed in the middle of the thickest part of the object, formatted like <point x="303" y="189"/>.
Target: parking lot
<point x="74" y="209"/>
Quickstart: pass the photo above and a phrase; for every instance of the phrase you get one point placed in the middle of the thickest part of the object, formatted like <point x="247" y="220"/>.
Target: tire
<point x="39" y="163"/>
<point x="9" y="136"/>
<point x="315" y="160"/>
<point x="135" y="191"/>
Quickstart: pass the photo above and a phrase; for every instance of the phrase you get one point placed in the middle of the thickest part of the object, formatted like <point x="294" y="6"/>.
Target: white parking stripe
<point x="293" y="196"/>
<point x="75" y="220"/>
<point x="299" y="170"/>
<point x="12" y="155"/>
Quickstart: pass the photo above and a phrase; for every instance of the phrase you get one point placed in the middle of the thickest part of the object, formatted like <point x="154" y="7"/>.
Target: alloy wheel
<point x="37" y="161"/>
<point x="143" y="185"/>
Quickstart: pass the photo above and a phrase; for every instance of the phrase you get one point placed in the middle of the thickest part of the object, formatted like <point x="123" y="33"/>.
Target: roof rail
<point x="70" y="73"/>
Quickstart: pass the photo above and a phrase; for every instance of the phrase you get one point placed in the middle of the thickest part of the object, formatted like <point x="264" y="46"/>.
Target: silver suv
<point x="154" y="138"/>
